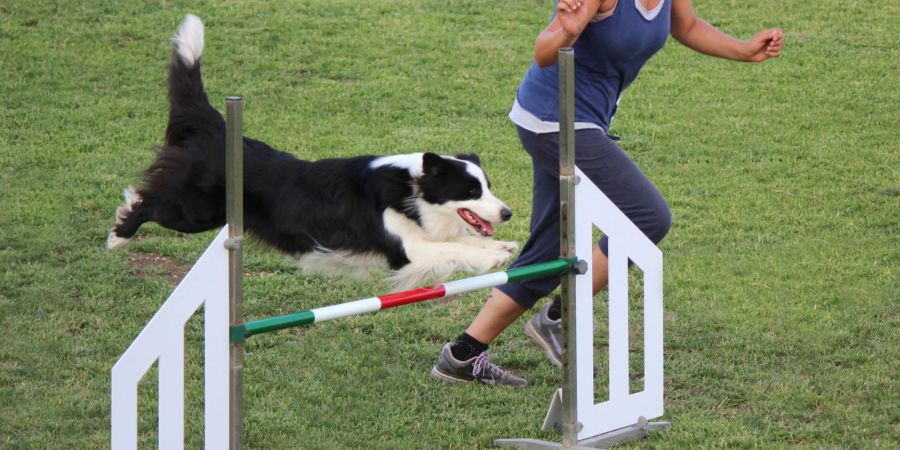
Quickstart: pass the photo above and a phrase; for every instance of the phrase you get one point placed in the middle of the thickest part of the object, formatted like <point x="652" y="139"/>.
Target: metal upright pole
<point x="567" y="180"/>
<point x="563" y="408"/>
<point x="234" y="213"/>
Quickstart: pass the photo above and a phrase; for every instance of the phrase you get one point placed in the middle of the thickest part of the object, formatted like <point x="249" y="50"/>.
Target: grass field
<point x="782" y="293"/>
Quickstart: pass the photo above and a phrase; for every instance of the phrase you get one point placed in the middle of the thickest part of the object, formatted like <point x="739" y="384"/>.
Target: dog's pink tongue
<point x="488" y="228"/>
<point x="484" y="227"/>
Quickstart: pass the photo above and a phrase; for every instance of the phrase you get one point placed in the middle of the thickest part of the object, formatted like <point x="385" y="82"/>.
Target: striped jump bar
<point x="247" y="329"/>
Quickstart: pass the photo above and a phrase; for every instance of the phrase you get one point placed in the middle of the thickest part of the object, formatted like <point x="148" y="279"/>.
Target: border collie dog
<point x="418" y="215"/>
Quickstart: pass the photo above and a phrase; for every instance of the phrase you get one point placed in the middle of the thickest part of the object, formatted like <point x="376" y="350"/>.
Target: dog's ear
<point x="433" y="164"/>
<point x="471" y="157"/>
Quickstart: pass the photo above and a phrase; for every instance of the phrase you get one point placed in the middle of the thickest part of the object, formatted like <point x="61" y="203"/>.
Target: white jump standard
<point x="584" y="424"/>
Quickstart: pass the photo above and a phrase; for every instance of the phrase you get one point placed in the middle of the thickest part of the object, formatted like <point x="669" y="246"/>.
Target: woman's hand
<point x="573" y="17"/>
<point x="764" y="45"/>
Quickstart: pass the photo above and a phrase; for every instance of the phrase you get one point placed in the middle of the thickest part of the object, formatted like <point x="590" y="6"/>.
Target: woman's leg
<point x="498" y="312"/>
<point x="608" y="167"/>
<point x="506" y="303"/>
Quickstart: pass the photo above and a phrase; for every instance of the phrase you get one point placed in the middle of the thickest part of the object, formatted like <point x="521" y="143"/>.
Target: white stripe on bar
<point x="347" y="309"/>
<point x="474" y="283"/>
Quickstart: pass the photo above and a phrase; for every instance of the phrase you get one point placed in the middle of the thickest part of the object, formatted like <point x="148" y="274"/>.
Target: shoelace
<point x="482" y="363"/>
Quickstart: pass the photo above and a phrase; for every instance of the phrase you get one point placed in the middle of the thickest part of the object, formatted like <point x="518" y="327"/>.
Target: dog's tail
<point x="189" y="108"/>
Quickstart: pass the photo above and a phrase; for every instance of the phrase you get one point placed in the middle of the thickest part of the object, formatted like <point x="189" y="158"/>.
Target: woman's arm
<point x="571" y="18"/>
<point x="700" y="36"/>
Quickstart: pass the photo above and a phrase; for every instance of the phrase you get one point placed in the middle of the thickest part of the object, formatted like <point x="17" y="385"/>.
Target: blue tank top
<point x="608" y="56"/>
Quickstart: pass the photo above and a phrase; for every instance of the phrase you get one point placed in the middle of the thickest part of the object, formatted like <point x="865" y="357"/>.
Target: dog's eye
<point x="475" y="192"/>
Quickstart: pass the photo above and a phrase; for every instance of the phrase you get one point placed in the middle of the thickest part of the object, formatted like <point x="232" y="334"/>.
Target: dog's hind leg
<point x="129" y="217"/>
<point x="172" y="216"/>
<point x="191" y="213"/>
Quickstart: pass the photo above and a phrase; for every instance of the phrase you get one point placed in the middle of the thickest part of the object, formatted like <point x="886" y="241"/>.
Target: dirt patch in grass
<point x="144" y="265"/>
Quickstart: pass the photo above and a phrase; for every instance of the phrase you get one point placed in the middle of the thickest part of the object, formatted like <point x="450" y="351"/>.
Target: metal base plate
<point x="532" y="444"/>
<point x="605" y="440"/>
<point x="636" y="431"/>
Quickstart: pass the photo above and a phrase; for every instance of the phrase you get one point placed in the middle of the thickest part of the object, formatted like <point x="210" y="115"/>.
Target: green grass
<point x="781" y="269"/>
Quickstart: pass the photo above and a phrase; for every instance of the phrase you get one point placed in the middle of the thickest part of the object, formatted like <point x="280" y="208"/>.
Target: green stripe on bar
<point x="278" y="323"/>
<point x="237" y="333"/>
<point x="540" y="270"/>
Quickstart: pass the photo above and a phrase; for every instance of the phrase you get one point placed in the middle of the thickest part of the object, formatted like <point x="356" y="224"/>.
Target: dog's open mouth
<point x="483" y="227"/>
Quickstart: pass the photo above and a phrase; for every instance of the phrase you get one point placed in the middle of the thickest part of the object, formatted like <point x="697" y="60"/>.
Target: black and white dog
<point x="419" y="215"/>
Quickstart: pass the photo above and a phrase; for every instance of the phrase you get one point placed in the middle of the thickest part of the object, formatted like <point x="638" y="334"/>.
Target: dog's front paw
<point x="492" y="259"/>
<point x="501" y="246"/>
<point x="510" y="247"/>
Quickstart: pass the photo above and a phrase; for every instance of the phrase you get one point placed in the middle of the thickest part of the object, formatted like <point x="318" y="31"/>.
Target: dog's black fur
<point x="294" y="205"/>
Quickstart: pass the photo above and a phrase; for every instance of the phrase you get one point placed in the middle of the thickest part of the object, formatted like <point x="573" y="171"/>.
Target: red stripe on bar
<point x="413" y="296"/>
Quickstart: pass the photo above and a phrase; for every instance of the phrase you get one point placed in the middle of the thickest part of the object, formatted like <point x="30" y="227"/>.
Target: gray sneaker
<point x="547" y="334"/>
<point x="479" y="369"/>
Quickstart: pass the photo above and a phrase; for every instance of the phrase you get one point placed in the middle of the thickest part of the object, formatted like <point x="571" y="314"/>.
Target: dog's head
<point x="459" y="185"/>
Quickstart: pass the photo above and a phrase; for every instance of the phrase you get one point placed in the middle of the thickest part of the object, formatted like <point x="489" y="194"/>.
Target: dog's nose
<point x="505" y="214"/>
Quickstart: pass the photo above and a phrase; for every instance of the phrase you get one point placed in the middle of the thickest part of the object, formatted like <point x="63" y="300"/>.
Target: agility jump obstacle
<point x="584" y="424"/>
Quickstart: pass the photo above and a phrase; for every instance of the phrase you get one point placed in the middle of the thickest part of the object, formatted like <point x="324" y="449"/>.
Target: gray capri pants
<point x="611" y="170"/>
